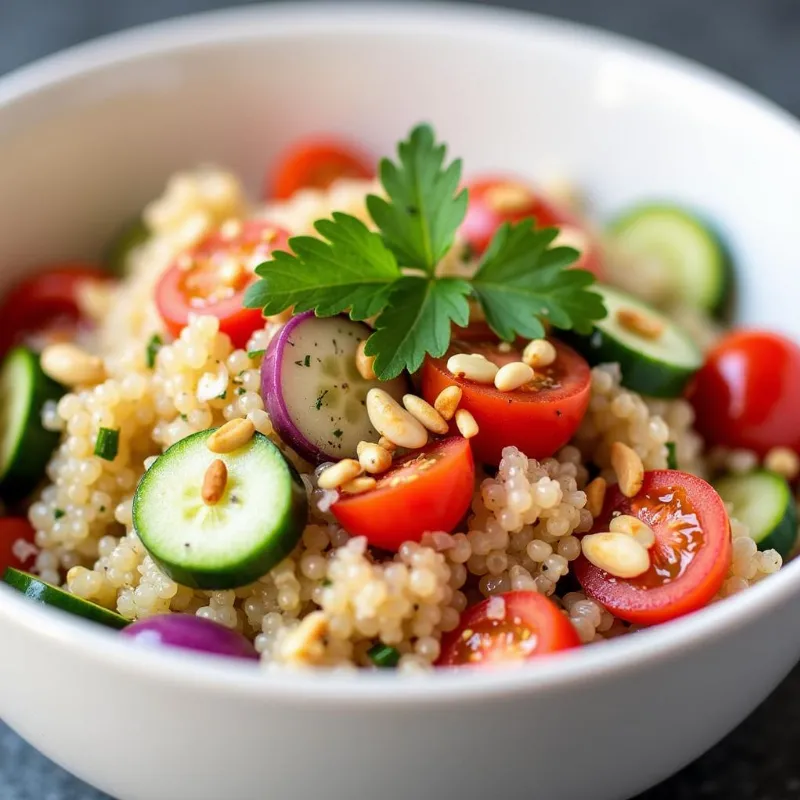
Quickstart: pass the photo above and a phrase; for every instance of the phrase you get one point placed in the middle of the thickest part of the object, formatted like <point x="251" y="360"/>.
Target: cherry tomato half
<point x="47" y="300"/>
<point x="495" y="200"/>
<point x="689" y="560"/>
<point x="508" y="628"/>
<point x="747" y="394"/>
<point x="316" y="164"/>
<point x="538" y="418"/>
<point x="427" y="490"/>
<point x="212" y="279"/>
<point x="12" y="529"/>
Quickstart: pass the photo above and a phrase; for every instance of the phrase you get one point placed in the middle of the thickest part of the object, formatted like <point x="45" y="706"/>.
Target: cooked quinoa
<point x="334" y="596"/>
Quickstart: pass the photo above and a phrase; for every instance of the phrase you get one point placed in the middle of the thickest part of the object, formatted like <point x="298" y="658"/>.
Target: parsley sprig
<point x="389" y="275"/>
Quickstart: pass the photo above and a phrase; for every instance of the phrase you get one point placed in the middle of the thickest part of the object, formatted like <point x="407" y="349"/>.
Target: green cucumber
<point x="256" y="523"/>
<point x="50" y="595"/>
<point x="695" y="263"/>
<point x="763" y="501"/>
<point x="658" y="367"/>
<point x="25" y="446"/>
<point x="133" y="234"/>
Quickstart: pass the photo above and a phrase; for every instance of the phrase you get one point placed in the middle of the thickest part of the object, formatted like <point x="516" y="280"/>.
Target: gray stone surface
<point x="755" y="41"/>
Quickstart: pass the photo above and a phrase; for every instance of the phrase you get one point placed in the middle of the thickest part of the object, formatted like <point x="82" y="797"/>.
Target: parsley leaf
<point x="521" y="279"/>
<point x="420" y="219"/>
<point x="415" y="322"/>
<point x="351" y="271"/>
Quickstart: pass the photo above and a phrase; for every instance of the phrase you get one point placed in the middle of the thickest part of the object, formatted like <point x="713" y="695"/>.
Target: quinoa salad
<point x="385" y="416"/>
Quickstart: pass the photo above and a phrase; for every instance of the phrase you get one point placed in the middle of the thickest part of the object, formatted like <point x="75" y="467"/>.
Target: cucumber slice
<point x="133" y="234"/>
<point x="658" y="367"/>
<point x="25" y="446"/>
<point x="695" y="263"/>
<point x="255" y="525"/>
<point x="51" y="595"/>
<point x="763" y="501"/>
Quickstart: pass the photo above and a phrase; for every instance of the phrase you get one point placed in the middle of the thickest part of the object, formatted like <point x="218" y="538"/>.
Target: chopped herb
<point x="338" y="433"/>
<point x="58" y="513"/>
<point x="384" y="656"/>
<point x="102" y="509"/>
<point x="307" y="361"/>
<point x="106" y="445"/>
<point x="241" y="390"/>
<point x="326" y="582"/>
<point x="153" y="346"/>
<point x="255" y="353"/>
<point x="390" y="274"/>
<point x="320" y="398"/>
<point x="222" y="395"/>
<point x="184" y="417"/>
<point x="672" y="456"/>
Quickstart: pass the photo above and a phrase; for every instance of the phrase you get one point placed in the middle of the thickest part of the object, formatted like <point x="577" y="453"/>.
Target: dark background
<point x="755" y="41"/>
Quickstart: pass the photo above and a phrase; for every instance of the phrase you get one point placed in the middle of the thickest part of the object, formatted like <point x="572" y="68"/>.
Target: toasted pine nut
<point x="391" y="420"/>
<point x="214" y="482"/>
<point x="425" y="413"/>
<point x="339" y="474"/>
<point x="359" y="485"/>
<point x="304" y="643"/>
<point x="783" y="461"/>
<point x="365" y="364"/>
<point x="71" y="366"/>
<point x="373" y="458"/>
<point x="466" y="424"/>
<point x="387" y="444"/>
<point x="539" y="353"/>
<point x="508" y="197"/>
<point x="447" y="402"/>
<point x="512" y="376"/>
<point x="618" y="554"/>
<point x="231" y="436"/>
<point x="629" y="468"/>
<point x="633" y="526"/>
<point x="644" y="325"/>
<point x="472" y="367"/>
<point x="595" y="496"/>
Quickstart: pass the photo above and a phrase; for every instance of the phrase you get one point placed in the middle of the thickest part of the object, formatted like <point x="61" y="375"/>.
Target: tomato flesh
<point x="538" y="418"/>
<point x="747" y="393"/>
<point x="46" y="304"/>
<point x="508" y="628"/>
<point x="316" y="164"/>
<point x="213" y="276"/>
<point x="12" y="530"/>
<point x="689" y="560"/>
<point x="496" y="200"/>
<point x="427" y="490"/>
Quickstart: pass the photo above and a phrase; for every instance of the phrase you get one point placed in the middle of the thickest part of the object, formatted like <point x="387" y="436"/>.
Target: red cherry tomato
<point x="747" y="394"/>
<point x="45" y="301"/>
<point x="689" y="560"/>
<point x="509" y="628"/>
<point x="12" y="529"/>
<point x="495" y="200"/>
<point x="538" y="418"/>
<point x="212" y="279"/>
<point x="316" y="164"/>
<point x="427" y="490"/>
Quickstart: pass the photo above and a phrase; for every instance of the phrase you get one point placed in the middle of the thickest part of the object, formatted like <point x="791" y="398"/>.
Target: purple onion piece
<point x="190" y="633"/>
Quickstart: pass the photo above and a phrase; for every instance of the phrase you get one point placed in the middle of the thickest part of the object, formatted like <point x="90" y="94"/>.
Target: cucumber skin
<point x="258" y="564"/>
<point x="639" y="373"/>
<point x="28" y="461"/>
<point x="41" y="592"/>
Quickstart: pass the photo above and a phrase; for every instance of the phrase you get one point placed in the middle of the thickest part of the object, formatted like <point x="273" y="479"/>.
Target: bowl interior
<point x="87" y="137"/>
<point x="90" y="148"/>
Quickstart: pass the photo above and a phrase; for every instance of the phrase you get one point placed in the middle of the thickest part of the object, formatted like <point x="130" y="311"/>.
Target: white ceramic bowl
<point x="87" y="136"/>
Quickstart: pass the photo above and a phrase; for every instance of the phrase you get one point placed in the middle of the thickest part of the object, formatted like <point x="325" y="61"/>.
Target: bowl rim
<point x="561" y="671"/>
